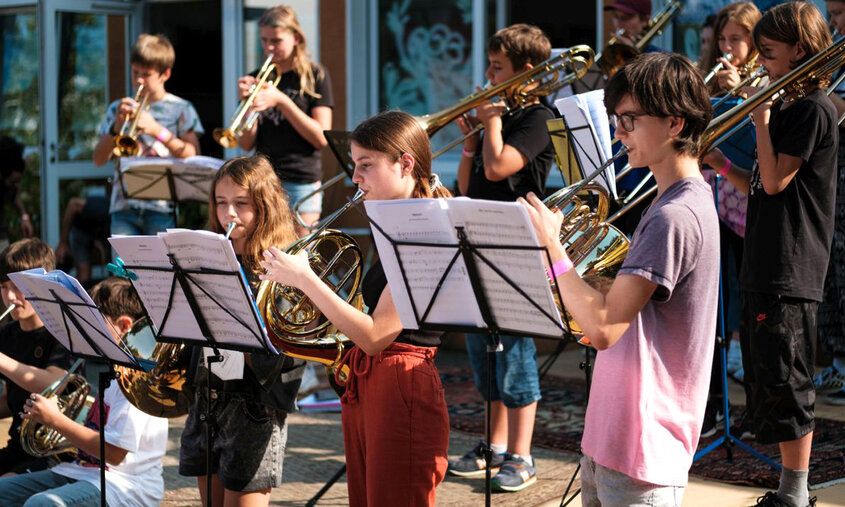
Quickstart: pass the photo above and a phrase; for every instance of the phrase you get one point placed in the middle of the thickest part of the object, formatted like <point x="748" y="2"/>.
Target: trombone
<point x="228" y="137"/>
<point x="126" y="141"/>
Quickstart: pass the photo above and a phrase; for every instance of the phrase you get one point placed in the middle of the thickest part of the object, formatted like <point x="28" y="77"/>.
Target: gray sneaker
<point x="514" y="475"/>
<point x="472" y="464"/>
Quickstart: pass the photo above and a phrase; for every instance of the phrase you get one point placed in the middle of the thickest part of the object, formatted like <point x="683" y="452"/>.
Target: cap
<point x="641" y="7"/>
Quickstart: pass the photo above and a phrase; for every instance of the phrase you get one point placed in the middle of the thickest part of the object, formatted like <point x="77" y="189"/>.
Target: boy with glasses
<point x="654" y="327"/>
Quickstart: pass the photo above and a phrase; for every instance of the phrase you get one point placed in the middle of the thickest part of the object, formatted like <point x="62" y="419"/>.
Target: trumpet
<point x="126" y="141"/>
<point x="241" y="121"/>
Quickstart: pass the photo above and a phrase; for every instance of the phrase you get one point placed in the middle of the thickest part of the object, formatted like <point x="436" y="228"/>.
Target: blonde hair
<point x="395" y="133"/>
<point x="154" y="51"/>
<point x="273" y="222"/>
<point x="283" y="16"/>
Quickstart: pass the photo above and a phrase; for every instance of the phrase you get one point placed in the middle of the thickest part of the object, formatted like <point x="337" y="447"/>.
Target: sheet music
<point x="485" y="222"/>
<point x="195" y="250"/>
<point x="586" y="117"/>
<point x="145" y="177"/>
<point x="508" y="223"/>
<point x="37" y="284"/>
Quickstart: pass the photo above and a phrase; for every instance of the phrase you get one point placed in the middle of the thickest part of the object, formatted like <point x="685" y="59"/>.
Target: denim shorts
<point x="517" y="379"/>
<point x="137" y="221"/>
<point x="603" y="486"/>
<point x="297" y="191"/>
<point x="248" y="449"/>
<point x="778" y="352"/>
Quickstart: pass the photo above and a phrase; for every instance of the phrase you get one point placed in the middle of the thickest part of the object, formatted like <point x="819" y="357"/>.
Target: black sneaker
<point x="771" y="499"/>
<point x="714" y="419"/>
<point x="744" y="430"/>
<point x="472" y="464"/>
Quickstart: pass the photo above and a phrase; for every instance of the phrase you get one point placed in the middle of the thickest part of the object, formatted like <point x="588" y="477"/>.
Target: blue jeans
<point x="602" y="486"/>
<point x="297" y="191"/>
<point x="136" y="222"/>
<point x="47" y="489"/>
<point x="517" y="380"/>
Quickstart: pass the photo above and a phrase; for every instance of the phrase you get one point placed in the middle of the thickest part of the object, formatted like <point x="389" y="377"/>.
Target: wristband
<point x="164" y="136"/>
<point x="561" y="267"/>
<point x="723" y="171"/>
<point x="467" y="153"/>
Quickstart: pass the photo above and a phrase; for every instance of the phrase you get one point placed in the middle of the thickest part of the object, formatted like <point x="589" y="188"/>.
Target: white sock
<point x="528" y="459"/>
<point x="499" y="448"/>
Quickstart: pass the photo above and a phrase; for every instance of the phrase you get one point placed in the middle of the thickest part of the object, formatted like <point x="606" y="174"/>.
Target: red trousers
<point x="395" y="427"/>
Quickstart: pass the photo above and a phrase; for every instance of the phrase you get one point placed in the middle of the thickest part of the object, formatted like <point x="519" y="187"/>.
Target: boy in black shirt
<point x="512" y="159"/>
<point x="30" y="358"/>
<point x="787" y="244"/>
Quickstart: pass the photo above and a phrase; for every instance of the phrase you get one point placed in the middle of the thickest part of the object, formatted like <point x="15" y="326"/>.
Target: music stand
<point x="173" y="180"/>
<point x="474" y="259"/>
<point x="63" y="312"/>
<point x="193" y="285"/>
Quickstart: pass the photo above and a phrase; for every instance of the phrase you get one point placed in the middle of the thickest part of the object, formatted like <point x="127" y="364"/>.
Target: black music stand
<point x="80" y="332"/>
<point x="187" y="281"/>
<point x="153" y="179"/>
<point x="473" y="257"/>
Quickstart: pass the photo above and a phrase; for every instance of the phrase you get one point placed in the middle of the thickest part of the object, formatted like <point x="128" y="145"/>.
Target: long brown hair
<point x="744" y="14"/>
<point x="797" y="23"/>
<point x="394" y="133"/>
<point x="283" y="16"/>
<point x="273" y="222"/>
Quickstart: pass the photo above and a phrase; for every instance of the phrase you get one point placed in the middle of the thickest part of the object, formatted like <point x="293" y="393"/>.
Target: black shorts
<point x="248" y="447"/>
<point x="778" y="350"/>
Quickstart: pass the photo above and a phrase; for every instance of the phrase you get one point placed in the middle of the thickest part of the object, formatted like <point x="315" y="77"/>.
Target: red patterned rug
<point x="560" y="420"/>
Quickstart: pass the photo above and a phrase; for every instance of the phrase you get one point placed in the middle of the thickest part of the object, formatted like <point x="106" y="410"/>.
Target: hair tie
<point x="434" y="182"/>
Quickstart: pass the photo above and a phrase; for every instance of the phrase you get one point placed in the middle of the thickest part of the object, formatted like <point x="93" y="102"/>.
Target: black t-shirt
<point x="272" y="381"/>
<point x="788" y="235"/>
<point x="526" y="131"/>
<point x="371" y="288"/>
<point x="293" y="157"/>
<point x="36" y="348"/>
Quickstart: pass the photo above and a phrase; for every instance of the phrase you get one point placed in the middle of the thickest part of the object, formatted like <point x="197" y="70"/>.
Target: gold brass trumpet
<point x="73" y="400"/>
<point x="126" y="141"/>
<point x="241" y="121"/>
<point x="294" y="323"/>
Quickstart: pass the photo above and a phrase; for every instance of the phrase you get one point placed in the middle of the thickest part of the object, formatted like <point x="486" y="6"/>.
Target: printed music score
<point x="224" y="300"/>
<point x="493" y="228"/>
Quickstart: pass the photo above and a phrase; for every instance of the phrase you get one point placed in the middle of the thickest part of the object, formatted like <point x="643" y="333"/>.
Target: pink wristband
<point x="723" y="171"/>
<point x="467" y="153"/>
<point x="164" y="136"/>
<point x="561" y="267"/>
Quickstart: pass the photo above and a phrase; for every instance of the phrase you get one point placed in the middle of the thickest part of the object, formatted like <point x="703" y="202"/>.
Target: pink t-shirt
<point x="650" y="388"/>
<point x="733" y="204"/>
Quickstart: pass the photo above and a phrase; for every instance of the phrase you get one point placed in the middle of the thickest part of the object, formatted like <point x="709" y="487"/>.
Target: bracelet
<point x="164" y="136"/>
<point x="467" y="153"/>
<point x="723" y="171"/>
<point x="561" y="267"/>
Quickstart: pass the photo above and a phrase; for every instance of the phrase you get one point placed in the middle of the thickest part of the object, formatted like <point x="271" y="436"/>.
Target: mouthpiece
<point x="229" y="228"/>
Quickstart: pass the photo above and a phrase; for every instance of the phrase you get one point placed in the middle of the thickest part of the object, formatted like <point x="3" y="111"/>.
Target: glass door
<point x="85" y="66"/>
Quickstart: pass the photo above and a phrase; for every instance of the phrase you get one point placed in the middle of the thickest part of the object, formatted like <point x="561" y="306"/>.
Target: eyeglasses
<point x="626" y="120"/>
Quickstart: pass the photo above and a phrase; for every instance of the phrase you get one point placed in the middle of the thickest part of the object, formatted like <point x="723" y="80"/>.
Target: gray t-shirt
<point x="653" y="381"/>
<point x="176" y="115"/>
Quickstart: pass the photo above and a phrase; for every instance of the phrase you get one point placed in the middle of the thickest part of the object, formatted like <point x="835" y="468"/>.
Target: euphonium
<point x="228" y="137"/>
<point x="71" y="392"/>
<point x="126" y="141"/>
<point x="294" y="323"/>
<point x="159" y="389"/>
<point x="617" y="54"/>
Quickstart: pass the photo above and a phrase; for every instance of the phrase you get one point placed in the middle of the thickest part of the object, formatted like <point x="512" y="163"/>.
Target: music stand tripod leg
<point x="317" y="496"/>
<point x="587" y="366"/>
<point x="493" y="345"/>
<point x="207" y="417"/>
<point x="104" y="379"/>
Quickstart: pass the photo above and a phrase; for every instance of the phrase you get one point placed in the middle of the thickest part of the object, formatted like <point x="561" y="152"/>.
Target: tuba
<point x="126" y="141"/>
<point x="228" y="137"/>
<point x="72" y="393"/>
<point x="294" y="323"/>
<point x="159" y="389"/>
<point x="617" y="54"/>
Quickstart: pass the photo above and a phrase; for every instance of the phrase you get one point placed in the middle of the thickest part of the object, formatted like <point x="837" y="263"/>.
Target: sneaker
<point x="744" y="429"/>
<point x="771" y="499"/>
<point x="734" y="359"/>
<point x="837" y="398"/>
<point x="829" y="380"/>
<point x="472" y="464"/>
<point x="514" y="475"/>
<point x="714" y="419"/>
